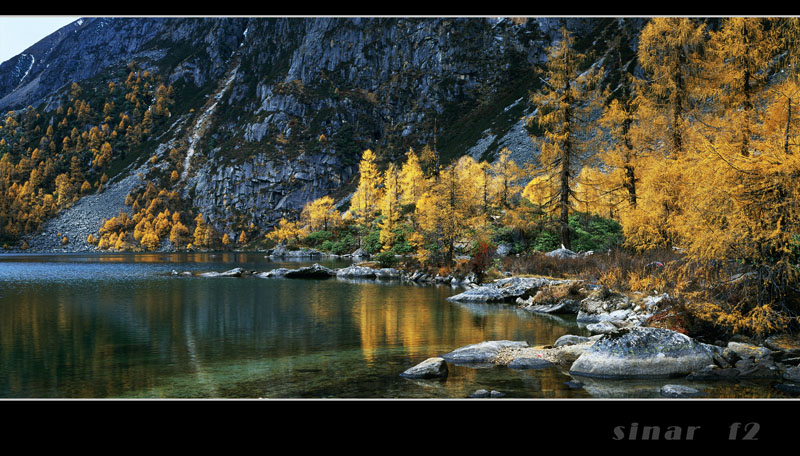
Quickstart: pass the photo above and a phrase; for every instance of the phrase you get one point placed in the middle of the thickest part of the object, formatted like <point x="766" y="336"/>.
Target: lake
<point x="121" y="326"/>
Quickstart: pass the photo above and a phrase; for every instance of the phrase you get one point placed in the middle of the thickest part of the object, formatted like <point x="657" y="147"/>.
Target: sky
<point x="18" y="33"/>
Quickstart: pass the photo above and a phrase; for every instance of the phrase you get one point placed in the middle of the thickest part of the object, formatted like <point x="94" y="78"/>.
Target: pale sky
<point x="18" y="33"/>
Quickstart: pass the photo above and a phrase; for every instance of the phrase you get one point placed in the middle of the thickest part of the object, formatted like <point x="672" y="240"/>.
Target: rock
<point x="791" y="388"/>
<point x="569" y="339"/>
<point x="360" y="253"/>
<point x="574" y="384"/>
<point x="604" y="327"/>
<point x="744" y="350"/>
<point x="714" y="372"/>
<point x="604" y="305"/>
<point x="480" y="353"/>
<point x="504" y="290"/>
<point x="430" y="368"/>
<point x="562" y="253"/>
<point x="279" y="272"/>
<point x="792" y="374"/>
<point x="494" y="393"/>
<point x="282" y="252"/>
<point x="529" y="363"/>
<point x="310" y="272"/>
<point x="481" y="393"/>
<point x="642" y="352"/>
<point x="565" y="306"/>
<point x="680" y="391"/>
<point x="758" y="368"/>
<point x="784" y="344"/>
<point x="502" y="250"/>
<point x="236" y="272"/>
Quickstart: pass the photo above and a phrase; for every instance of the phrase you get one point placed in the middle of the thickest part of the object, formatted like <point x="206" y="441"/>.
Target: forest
<point x="690" y="162"/>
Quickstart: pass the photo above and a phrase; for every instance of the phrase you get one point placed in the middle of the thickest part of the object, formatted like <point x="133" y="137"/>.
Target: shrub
<point x="386" y="259"/>
<point x="317" y="238"/>
<point x="371" y="243"/>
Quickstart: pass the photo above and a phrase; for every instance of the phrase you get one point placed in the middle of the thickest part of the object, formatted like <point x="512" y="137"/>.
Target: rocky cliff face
<point x="297" y="100"/>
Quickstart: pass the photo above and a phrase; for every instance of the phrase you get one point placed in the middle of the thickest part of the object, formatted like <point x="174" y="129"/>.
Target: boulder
<point x="502" y="250"/>
<point x="310" y="272"/>
<point x="714" y="372"/>
<point x="360" y="253"/>
<point x="604" y="305"/>
<point x="792" y="374"/>
<point x="569" y="339"/>
<point x="564" y="306"/>
<point x="562" y="253"/>
<point x="642" y="352"/>
<point x="236" y="272"/>
<point x="480" y="353"/>
<point x="430" y="368"/>
<point x="603" y="327"/>
<point x="282" y="252"/>
<point x="504" y="290"/>
<point x="743" y="350"/>
<point x="784" y="344"/>
<point x="279" y="272"/>
<point x="529" y="363"/>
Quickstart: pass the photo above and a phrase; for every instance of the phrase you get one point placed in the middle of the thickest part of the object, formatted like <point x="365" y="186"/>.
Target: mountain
<point x="270" y="113"/>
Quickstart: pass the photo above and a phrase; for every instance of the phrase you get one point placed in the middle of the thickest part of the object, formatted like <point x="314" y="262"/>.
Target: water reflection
<point x="122" y="326"/>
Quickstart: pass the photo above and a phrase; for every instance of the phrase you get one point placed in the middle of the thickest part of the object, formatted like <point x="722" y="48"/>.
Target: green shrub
<point x="317" y="238"/>
<point x="386" y="259"/>
<point x="371" y="243"/>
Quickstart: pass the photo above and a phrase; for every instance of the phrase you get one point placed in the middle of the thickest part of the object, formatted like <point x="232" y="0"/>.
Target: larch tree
<point x="364" y="203"/>
<point x="389" y="206"/>
<point x="668" y="105"/>
<point x="565" y="103"/>
<point x="320" y="214"/>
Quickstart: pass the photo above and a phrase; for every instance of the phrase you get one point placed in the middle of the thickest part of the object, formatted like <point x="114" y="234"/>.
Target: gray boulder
<point x="502" y="250"/>
<point x="430" y="368"/>
<point x="504" y="290"/>
<point x="564" y="306"/>
<point x="236" y="272"/>
<point x="603" y="327"/>
<point x="642" y="352"/>
<point x="562" y="253"/>
<point x="604" y="305"/>
<point x="744" y="351"/>
<point x="310" y="272"/>
<point x="360" y="253"/>
<point x="569" y="339"/>
<point x="279" y="272"/>
<point x="481" y="353"/>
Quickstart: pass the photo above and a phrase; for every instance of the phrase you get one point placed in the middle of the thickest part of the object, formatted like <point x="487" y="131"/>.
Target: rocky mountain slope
<point x="275" y="112"/>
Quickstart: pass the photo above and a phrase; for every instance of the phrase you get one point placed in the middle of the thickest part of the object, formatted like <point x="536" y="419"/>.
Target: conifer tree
<point x="565" y="102"/>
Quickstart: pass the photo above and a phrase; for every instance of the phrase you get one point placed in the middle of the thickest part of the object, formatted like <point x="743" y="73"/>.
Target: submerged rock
<point x="529" y="363"/>
<point x="430" y="368"/>
<point x="642" y="352"/>
<point x="480" y="353"/>
<point x="680" y="391"/>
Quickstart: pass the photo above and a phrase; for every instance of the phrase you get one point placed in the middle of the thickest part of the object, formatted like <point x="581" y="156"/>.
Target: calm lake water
<point x="120" y="326"/>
